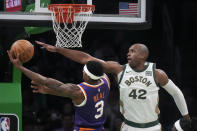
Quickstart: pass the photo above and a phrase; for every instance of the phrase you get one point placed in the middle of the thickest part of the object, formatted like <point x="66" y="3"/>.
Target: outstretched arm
<point x="83" y="58"/>
<point x="72" y="92"/>
<point x="42" y="89"/>
<point x="174" y="91"/>
<point x="66" y="90"/>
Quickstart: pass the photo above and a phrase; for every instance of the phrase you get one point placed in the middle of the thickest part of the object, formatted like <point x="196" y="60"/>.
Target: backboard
<point x="109" y="14"/>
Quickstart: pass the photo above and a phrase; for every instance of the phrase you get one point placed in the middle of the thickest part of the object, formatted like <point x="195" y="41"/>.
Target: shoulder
<point x="107" y="79"/>
<point x="161" y="77"/>
<point x="77" y="94"/>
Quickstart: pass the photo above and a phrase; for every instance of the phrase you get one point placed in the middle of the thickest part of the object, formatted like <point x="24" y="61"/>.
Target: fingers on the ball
<point x="10" y="56"/>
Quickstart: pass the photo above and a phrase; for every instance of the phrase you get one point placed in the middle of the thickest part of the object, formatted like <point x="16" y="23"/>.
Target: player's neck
<point x="140" y="67"/>
<point x="93" y="82"/>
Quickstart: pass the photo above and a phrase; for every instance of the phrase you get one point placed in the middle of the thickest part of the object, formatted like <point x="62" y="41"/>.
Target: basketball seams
<point x="24" y="48"/>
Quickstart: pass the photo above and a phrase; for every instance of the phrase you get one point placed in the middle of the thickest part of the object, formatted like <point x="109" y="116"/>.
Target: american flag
<point x="126" y="8"/>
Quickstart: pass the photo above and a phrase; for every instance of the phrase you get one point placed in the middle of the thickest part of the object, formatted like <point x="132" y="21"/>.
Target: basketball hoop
<point x="69" y="23"/>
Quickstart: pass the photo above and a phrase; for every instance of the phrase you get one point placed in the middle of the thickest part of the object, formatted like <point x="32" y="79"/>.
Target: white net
<point x="69" y="24"/>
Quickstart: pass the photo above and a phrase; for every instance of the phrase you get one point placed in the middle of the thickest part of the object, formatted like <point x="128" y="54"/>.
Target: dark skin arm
<point x="83" y="58"/>
<point x="162" y="80"/>
<point x="55" y="87"/>
<point x="42" y="89"/>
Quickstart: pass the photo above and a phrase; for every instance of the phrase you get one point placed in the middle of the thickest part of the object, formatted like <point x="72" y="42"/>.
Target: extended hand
<point x="38" y="88"/>
<point x="187" y="117"/>
<point x="47" y="46"/>
<point x="187" y="120"/>
<point x="16" y="60"/>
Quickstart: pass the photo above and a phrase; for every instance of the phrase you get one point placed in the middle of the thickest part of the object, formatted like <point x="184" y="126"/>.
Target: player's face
<point x="133" y="55"/>
<point x="85" y="76"/>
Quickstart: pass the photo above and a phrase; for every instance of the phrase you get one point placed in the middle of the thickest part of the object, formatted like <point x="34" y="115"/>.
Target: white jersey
<point x="139" y="94"/>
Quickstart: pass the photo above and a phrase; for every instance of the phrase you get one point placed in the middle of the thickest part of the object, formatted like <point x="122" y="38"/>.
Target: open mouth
<point x="128" y="58"/>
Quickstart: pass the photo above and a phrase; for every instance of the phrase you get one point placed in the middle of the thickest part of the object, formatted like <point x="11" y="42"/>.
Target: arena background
<point x="171" y="41"/>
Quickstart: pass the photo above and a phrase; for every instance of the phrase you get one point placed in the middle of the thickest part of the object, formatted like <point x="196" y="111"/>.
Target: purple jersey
<point x="90" y="113"/>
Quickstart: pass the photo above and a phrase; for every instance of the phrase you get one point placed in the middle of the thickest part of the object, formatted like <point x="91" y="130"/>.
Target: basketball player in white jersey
<point x="139" y="83"/>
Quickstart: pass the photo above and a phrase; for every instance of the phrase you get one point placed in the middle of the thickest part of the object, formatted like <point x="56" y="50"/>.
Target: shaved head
<point x="137" y="55"/>
<point x="142" y="49"/>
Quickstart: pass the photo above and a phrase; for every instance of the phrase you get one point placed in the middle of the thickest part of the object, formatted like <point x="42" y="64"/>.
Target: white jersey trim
<point x="85" y="95"/>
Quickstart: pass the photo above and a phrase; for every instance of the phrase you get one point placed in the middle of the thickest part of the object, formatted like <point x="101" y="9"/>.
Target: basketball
<point x="24" y="49"/>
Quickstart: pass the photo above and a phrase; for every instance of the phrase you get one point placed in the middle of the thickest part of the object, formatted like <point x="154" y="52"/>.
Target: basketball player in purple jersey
<point x="89" y="97"/>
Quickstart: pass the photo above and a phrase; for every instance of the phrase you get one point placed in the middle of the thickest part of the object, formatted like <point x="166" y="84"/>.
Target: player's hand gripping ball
<point x="22" y="48"/>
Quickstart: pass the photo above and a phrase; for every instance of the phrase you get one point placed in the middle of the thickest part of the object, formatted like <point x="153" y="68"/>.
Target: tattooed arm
<point x="58" y="88"/>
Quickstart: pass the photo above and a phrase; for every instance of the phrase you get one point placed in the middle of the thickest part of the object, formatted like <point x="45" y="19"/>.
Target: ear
<point x="88" y="78"/>
<point x="142" y="57"/>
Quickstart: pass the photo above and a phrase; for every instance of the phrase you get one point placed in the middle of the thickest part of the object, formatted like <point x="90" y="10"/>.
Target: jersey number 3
<point x="138" y="94"/>
<point x="99" y="105"/>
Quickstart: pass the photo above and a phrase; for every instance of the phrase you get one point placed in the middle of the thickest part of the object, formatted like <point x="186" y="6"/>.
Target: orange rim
<point x="68" y="10"/>
<point x="71" y="7"/>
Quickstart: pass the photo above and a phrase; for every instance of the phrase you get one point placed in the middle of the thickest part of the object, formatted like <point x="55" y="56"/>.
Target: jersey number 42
<point x="138" y="94"/>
